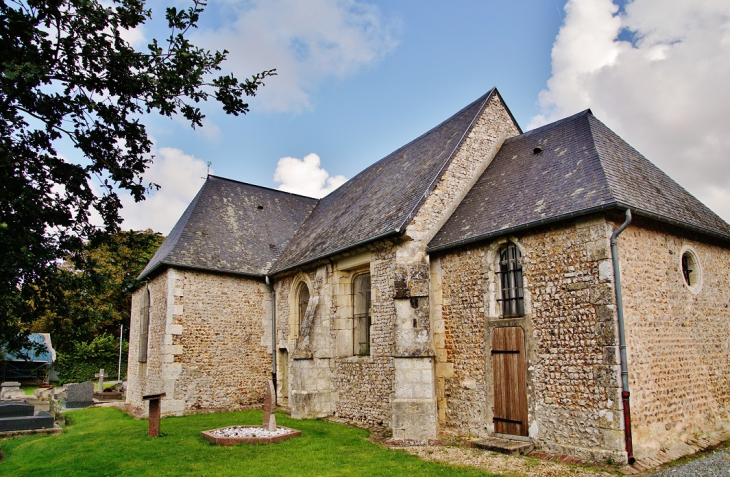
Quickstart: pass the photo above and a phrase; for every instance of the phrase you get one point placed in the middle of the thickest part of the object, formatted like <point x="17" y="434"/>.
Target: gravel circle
<point x="500" y="463"/>
<point x="249" y="431"/>
<point x="714" y="464"/>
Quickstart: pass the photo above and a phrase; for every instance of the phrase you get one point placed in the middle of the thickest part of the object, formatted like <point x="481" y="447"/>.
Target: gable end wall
<point x="678" y="342"/>
<point x="209" y="343"/>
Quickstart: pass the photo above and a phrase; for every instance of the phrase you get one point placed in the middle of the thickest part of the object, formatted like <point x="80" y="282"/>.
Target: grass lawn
<point x="105" y="441"/>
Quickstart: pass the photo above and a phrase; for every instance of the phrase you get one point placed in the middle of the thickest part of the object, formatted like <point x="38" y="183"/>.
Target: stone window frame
<point x="144" y="325"/>
<point x="294" y="309"/>
<point x="357" y="318"/>
<point x="696" y="269"/>
<point x="343" y="275"/>
<point x="493" y="285"/>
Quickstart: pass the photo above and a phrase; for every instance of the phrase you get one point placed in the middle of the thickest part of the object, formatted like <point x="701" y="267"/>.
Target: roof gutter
<point x="517" y="228"/>
<point x="322" y="256"/>
<point x="625" y="393"/>
<point x="579" y="213"/>
<point x="149" y="272"/>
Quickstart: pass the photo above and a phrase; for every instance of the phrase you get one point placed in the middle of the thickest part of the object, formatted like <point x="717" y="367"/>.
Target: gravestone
<point x="101" y="375"/>
<point x="269" y="417"/>
<point x="79" y="395"/>
<point x="20" y="416"/>
<point x="11" y="390"/>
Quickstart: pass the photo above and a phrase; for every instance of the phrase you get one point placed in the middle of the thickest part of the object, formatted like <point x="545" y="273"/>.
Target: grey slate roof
<point x="232" y="227"/>
<point x="583" y="167"/>
<point x="382" y="199"/>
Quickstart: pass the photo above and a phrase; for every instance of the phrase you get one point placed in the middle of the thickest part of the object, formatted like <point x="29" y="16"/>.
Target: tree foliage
<point x="83" y="360"/>
<point x="67" y="74"/>
<point x="93" y="288"/>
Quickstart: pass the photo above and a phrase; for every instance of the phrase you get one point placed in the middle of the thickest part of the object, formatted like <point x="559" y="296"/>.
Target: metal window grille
<point x="687" y="268"/>
<point x="144" y="326"/>
<point x="361" y="308"/>
<point x="510" y="278"/>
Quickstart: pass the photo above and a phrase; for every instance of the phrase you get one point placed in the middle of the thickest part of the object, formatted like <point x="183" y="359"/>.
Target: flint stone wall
<point x="678" y="341"/>
<point x="572" y="373"/>
<point x="211" y="344"/>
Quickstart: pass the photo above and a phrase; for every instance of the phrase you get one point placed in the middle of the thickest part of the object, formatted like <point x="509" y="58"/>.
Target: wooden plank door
<point x="510" y="381"/>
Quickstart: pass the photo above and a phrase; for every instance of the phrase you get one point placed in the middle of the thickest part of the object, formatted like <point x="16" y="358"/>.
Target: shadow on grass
<point x="105" y="441"/>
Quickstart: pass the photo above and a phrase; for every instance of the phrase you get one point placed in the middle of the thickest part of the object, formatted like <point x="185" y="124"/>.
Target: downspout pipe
<point x="625" y="393"/>
<point x="273" y="335"/>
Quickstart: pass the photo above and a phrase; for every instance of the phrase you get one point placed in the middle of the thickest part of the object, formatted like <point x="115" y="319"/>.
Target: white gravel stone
<point x="249" y="431"/>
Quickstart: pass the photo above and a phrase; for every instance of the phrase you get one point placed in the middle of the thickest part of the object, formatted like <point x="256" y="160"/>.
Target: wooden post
<point x="154" y="418"/>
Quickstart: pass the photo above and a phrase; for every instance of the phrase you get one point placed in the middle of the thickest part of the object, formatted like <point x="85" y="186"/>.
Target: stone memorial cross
<point x="101" y="375"/>
<point x="269" y="417"/>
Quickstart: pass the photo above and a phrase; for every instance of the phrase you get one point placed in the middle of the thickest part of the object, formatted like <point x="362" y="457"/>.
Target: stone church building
<point x="465" y="284"/>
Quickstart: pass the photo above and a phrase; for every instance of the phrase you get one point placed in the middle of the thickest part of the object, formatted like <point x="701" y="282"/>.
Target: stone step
<point x="504" y="446"/>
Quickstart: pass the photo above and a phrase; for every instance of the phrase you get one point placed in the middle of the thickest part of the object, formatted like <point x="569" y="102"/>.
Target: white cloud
<point x="666" y="94"/>
<point x="306" y="42"/>
<point x="305" y="176"/>
<point x="180" y="176"/>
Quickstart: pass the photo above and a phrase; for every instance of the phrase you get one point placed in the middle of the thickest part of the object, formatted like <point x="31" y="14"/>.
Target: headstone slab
<point x="79" y="395"/>
<point x="15" y="409"/>
<point x="38" y="420"/>
<point x="11" y="390"/>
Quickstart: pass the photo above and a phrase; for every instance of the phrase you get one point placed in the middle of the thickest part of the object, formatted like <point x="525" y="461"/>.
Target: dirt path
<point x="502" y="464"/>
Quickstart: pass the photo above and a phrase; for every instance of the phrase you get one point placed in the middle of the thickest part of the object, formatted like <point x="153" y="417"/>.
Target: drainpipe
<point x="622" y="339"/>
<point x="273" y="335"/>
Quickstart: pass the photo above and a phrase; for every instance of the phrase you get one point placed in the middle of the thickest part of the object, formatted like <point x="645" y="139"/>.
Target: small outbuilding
<point x="32" y="364"/>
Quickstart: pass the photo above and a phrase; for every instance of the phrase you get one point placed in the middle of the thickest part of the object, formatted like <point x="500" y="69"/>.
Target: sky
<point x="357" y="79"/>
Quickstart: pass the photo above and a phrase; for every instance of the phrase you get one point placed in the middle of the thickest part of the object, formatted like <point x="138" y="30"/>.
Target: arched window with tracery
<point x="511" y="283"/>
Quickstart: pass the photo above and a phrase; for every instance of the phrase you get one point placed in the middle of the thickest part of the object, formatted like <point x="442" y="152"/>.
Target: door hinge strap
<point x="511" y="421"/>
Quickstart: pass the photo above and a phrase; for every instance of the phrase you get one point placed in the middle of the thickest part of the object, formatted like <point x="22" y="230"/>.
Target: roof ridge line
<point x="262" y="187"/>
<point x="594" y="145"/>
<point x="585" y="112"/>
<point x="457" y="146"/>
<point x="426" y="133"/>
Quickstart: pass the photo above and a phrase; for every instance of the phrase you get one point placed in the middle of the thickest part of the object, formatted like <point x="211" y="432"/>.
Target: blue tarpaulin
<point x="30" y="363"/>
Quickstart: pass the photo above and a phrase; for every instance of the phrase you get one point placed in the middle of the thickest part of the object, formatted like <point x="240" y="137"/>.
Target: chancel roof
<point x="233" y="227"/>
<point x="567" y="168"/>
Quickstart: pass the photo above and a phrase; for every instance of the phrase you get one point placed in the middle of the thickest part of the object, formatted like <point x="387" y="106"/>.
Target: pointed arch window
<point x="510" y="280"/>
<point x="302" y="302"/>
<point x="144" y="326"/>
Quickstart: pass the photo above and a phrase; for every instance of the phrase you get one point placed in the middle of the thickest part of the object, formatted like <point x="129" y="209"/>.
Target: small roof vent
<point x="260" y="207"/>
<point x="537" y="150"/>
